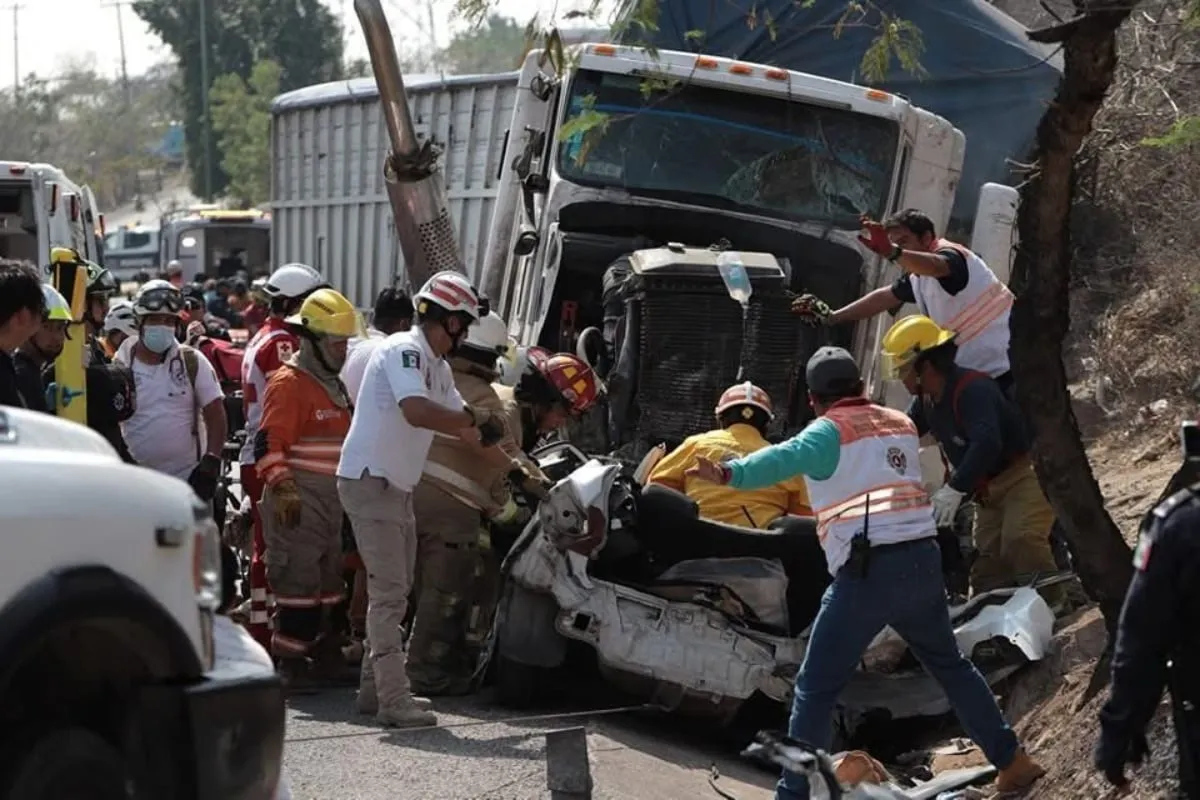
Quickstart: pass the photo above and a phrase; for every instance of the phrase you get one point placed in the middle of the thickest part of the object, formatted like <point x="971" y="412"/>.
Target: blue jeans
<point x="903" y="589"/>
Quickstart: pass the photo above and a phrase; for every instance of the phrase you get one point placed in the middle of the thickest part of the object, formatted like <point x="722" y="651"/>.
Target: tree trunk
<point x="1041" y="315"/>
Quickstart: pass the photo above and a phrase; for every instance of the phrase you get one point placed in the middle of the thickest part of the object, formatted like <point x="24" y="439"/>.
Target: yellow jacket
<point x="722" y="503"/>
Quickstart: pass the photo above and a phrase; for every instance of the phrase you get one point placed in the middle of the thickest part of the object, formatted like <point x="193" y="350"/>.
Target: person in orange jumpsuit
<point x="305" y="418"/>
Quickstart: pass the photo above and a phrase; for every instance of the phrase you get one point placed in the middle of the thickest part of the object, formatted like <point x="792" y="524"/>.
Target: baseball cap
<point x="831" y="370"/>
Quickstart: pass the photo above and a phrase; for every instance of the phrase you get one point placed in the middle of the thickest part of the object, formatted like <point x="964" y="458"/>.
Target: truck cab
<point x="112" y="684"/>
<point x="40" y="209"/>
<point x="630" y="151"/>
<point x="131" y="249"/>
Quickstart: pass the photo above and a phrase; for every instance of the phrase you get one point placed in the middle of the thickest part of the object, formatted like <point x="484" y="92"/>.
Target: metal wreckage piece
<point x="415" y="186"/>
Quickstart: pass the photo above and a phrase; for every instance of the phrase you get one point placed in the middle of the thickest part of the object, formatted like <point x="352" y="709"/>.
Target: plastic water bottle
<point x="737" y="280"/>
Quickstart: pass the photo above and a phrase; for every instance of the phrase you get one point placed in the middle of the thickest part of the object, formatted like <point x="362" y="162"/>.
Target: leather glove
<point x="1113" y="752"/>
<point x="874" y="237"/>
<point x="946" y="501"/>
<point x="811" y="309"/>
<point x="491" y="427"/>
<point x="286" y="497"/>
<point x="523" y="479"/>
<point x="203" y="479"/>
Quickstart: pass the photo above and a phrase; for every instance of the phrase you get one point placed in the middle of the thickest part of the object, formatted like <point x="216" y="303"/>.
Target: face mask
<point x="158" y="338"/>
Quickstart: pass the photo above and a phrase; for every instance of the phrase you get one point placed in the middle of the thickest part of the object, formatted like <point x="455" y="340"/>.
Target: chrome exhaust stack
<point x="415" y="186"/>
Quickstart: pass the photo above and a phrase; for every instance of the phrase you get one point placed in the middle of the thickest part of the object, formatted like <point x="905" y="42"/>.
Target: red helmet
<point x="745" y="394"/>
<point x="537" y="357"/>
<point x="573" y="379"/>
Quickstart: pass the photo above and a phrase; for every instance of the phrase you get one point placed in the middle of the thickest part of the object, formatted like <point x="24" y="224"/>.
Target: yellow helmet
<point x="57" y="308"/>
<point x="907" y="339"/>
<point x="326" y="312"/>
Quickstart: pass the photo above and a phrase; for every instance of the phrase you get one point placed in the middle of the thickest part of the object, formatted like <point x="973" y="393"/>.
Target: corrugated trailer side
<point x="328" y="202"/>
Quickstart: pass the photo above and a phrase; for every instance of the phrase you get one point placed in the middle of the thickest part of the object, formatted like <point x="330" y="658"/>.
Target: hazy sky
<point x="51" y="31"/>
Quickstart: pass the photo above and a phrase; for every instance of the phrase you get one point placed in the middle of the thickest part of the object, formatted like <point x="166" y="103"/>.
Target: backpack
<point x="226" y="358"/>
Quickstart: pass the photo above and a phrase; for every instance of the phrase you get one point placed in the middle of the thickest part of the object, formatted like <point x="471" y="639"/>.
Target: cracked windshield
<point x="728" y="149"/>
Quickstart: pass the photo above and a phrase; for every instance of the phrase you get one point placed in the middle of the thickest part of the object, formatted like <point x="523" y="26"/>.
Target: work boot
<point x="366" y="702"/>
<point x="297" y="677"/>
<point x="1019" y="775"/>
<point x="329" y="665"/>
<point x="405" y="713"/>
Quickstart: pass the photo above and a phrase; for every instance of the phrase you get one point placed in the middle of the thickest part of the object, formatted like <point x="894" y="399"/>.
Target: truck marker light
<point x="706" y="62"/>
<point x="776" y="74"/>
<point x="602" y="49"/>
<point x="741" y="69"/>
<point x="878" y="96"/>
<point x="16" y="170"/>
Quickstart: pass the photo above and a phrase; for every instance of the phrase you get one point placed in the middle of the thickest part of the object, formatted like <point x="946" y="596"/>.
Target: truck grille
<point x="689" y="349"/>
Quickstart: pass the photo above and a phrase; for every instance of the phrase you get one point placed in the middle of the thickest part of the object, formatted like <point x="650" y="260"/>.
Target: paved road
<point x="332" y="754"/>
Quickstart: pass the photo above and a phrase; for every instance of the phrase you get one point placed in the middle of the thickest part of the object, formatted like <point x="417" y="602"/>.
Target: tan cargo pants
<point x="447" y="560"/>
<point x="1012" y="530"/>
<point x="385" y="531"/>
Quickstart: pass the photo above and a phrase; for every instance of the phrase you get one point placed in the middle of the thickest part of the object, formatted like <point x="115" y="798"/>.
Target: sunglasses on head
<point x="161" y="300"/>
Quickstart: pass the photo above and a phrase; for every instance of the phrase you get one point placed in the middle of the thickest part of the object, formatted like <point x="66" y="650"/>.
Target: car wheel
<point x="74" y="763"/>
<point x="518" y="685"/>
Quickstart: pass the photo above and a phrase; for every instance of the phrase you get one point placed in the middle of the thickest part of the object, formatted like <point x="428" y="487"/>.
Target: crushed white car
<point x="707" y="643"/>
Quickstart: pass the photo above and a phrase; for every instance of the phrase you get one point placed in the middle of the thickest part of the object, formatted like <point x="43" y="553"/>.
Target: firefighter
<point x="462" y="485"/>
<point x="862" y="464"/>
<point x="987" y="444"/>
<point x="274" y="344"/>
<point x="1158" y="644"/>
<point x="38" y="352"/>
<point x="743" y="413"/>
<point x="119" y="325"/>
<point x="305" y="418"/>
<point x="549" y="390"/>
<point x="948" y="282"/>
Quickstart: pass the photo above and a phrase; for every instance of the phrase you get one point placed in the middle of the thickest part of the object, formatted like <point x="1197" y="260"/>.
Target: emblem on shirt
<point x="283" y="349"/>
<point x="176" y="371"/>
<point x="897" y="460"/>
<point x="410" y="359"/>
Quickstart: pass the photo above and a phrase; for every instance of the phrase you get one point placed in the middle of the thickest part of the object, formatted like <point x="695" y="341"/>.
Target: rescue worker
<point x="22" y="308"/>
<point x="178" y="426"/>
<point x="552" y="388"/>
<point x="462" y="485"/>
<point x="119" y="325"/>
<point x="393" y="313"/>
<point x="743" y="412"/>
<point x="305" y="418"/>
<point x="1157" y="644"/>
<point x="39" y="351"/>
<point x="987" y="444"/>
<point x="407" y="393"/>
<point x="274" y="344"/>
<point x="875" y="522"/>
<point x="101" y="287"/>
<point x="948" y="283"/>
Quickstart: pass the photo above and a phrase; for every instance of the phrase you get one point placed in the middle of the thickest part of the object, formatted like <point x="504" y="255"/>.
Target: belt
<point x="465" y="490"/>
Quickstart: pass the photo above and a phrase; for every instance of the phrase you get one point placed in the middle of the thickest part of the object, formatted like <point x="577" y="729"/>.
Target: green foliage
<point x="302" y="36"/>
<point x="91" y="127"/>
<point x="241" y="118"/>
<point x="497" y="45"/>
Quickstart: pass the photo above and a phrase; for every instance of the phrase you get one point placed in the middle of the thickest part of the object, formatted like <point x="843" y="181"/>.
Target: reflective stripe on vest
<point x="900" y="496"/>
<point x="464" y="489"/>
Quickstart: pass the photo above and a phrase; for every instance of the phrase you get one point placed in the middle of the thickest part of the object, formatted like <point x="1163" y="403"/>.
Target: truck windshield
<point x="727" y="149"/>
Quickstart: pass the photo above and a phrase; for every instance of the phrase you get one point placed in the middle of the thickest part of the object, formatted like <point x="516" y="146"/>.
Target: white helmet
<point x="489" y="335"/>
<point x="450" y="291"/>
<point x="157" y="297"/>
<point x="292" y="281"/>
<point x="120" y="318"/>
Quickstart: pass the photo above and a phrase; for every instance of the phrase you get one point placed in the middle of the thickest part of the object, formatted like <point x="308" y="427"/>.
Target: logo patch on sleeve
<point x="410" y="359"/>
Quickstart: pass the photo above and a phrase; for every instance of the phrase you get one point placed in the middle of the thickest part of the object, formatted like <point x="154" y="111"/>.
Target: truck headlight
<point x="206" y="565"/>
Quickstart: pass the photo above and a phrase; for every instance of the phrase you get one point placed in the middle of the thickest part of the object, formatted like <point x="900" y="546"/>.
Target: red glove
<point x="874" y="237"/>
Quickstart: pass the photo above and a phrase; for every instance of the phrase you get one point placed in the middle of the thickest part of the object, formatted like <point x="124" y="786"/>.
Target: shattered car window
<point x="727" y="149"/>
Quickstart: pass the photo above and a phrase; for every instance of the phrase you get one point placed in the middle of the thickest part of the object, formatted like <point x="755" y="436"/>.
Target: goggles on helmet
<point x="160" y="300"/>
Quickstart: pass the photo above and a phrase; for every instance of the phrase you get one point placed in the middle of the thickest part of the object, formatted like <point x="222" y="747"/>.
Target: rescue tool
<point x="69" y="275"/>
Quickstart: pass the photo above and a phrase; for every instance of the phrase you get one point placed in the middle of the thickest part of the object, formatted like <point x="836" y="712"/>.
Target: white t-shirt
<point x="381" y="441"/>
<point x="358" y="352"/>
<point x="160" y="433"/>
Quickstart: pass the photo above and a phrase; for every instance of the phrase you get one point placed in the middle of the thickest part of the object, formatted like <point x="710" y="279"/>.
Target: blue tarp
<point x="981" y="72"/>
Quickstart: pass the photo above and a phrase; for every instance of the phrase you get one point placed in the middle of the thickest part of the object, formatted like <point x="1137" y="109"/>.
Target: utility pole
<point x="16" y="10"/>
<point x="121" y="41"/>
<point x="204" y="89"/>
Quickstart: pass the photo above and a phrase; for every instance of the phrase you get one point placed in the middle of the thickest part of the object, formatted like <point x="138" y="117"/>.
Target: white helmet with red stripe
<point x="745" y="394"/>
<point x="450" y="291"/>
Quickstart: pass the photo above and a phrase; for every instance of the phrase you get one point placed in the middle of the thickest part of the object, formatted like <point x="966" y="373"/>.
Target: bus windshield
<point x="728" y="149"/>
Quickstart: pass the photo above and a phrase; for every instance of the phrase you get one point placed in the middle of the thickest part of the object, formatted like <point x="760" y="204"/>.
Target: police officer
<point x="1157" y="641"/>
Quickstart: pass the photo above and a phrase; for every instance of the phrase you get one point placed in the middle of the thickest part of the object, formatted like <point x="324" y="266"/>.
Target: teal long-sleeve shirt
<point x="814" y="453"/>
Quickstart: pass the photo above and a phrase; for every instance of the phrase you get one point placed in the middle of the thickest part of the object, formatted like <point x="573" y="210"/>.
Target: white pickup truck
<point x="112" y="682"/>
